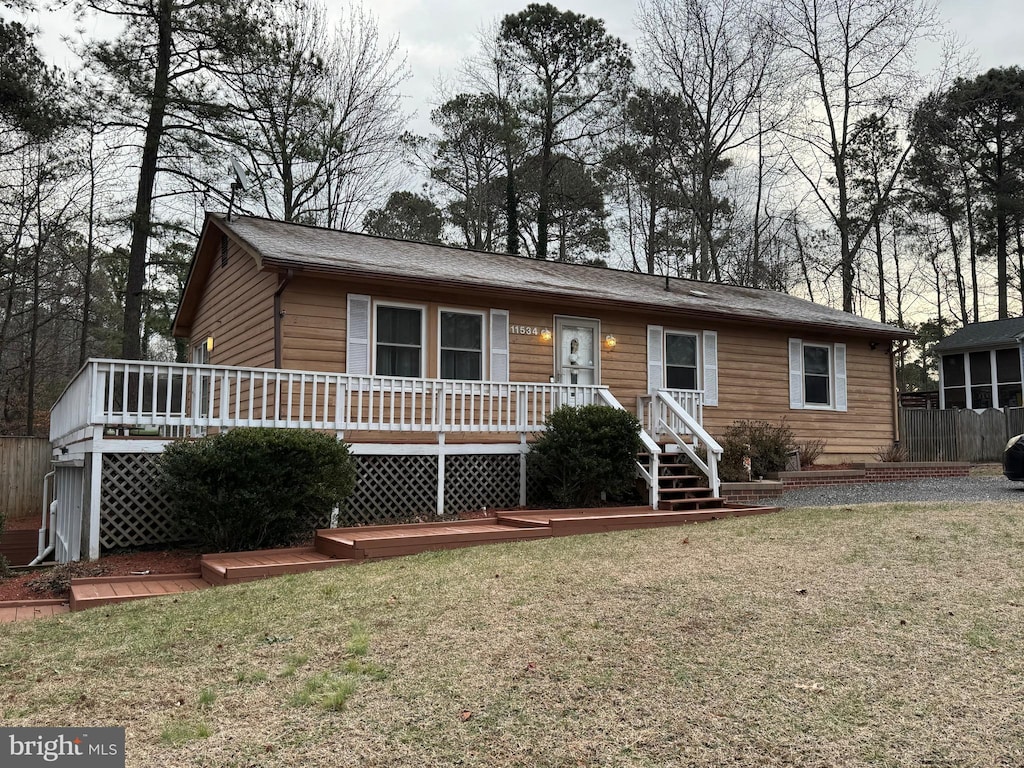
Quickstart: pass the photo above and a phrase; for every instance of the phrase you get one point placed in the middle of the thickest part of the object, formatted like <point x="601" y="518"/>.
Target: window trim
<point x="484" y="338"/>
<point x="830" y="349"/>
<point x="423" y="335"/>
<point x="839" y="375"/>
<point x="698" y="343"/>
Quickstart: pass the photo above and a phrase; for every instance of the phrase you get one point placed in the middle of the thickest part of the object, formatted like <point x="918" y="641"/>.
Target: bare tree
<point x="852" y="58"/>
<point x="717" y="56"/>
<point x="317" y="111"/>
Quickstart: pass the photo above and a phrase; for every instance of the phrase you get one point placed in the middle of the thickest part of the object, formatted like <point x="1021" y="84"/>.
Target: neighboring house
<point x="981" y="365"/>
<point x="438" y="365"/>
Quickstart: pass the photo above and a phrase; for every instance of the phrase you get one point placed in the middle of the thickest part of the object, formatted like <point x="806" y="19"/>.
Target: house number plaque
<point x="526" y="330"/>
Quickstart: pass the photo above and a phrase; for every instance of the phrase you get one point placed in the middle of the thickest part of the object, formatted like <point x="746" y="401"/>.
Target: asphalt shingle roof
<point x="993" y="333"/>
<point x="296" y="246"/>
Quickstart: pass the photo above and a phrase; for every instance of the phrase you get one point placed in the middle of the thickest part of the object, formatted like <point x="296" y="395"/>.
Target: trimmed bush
<point x="585" y="452"/>
<point x="251" y="488"/>
<point x="766" y="444"/>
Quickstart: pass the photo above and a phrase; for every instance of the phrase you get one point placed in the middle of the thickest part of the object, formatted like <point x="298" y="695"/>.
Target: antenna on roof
<point x="241" y="182"/>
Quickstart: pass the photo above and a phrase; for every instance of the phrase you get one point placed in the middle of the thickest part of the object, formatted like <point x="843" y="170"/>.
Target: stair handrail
<point x="650" y="475"/>
<point x="714" y="450"/>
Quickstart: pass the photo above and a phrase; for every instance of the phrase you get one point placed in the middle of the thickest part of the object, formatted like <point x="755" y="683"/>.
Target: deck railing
<point x="677" y="416"/>
<point x="178" y="399"/>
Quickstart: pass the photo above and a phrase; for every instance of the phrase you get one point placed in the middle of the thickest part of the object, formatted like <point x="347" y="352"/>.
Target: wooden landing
<point x="238" y="567"/>
<point x="379" y="541"/>
<point x="346" y="546"/>
<point x="570" y="522"/>
<point x="22" y="610"/>
<point x="104" y="590"/>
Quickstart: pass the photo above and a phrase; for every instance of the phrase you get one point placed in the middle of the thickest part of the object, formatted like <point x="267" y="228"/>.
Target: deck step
<point x="391" y="541"/>
<point x="105" y="590"/>
<point x="239" y="567"/>
<point x="693" y="503"/>
<point x="22" y="610"/>
<point x="685" y="491"/>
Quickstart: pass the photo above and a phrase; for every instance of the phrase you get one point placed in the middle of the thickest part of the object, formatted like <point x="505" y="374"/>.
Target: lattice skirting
<point x="401" y="488"/>
<point x="132" y="511"/>
<point x="388" y="489"/>
<point x="476" y="481"/>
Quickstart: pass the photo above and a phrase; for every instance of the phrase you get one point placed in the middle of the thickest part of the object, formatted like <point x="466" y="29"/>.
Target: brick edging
<point x="877" y="472"/>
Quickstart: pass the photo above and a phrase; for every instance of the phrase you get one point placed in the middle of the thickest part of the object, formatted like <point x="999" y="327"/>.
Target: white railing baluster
<point x="116" y="393"/>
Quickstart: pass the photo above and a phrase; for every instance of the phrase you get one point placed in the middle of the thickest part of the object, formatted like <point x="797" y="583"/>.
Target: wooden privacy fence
<point x="24" y="462"/>
<point x="958" y="435"/>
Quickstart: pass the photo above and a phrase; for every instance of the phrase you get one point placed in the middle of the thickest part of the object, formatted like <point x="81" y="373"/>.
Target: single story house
<point x="981" y="365"/>
<point x="438" y="365"/>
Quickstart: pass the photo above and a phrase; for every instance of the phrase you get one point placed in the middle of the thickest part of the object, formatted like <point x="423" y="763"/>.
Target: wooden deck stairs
<point x="687" y="502"/>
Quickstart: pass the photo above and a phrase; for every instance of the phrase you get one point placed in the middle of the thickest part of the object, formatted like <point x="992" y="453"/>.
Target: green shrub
<point x="252" y="488"/>
<point x="766" y="444"/>
<point x="585" y="452"/>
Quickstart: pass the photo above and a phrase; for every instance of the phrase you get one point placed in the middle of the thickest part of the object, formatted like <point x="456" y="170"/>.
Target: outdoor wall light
<point x="209" y="343"/>
<point x="545" y="335"/>
<point x="610" y="342"/>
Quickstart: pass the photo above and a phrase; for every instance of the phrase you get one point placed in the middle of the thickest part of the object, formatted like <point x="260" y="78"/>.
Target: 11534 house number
<point x="527" y="330"/>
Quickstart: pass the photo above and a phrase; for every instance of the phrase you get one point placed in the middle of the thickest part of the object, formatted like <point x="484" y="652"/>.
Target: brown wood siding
<point x="237" y="309"/>
<point x="753" y="361"/>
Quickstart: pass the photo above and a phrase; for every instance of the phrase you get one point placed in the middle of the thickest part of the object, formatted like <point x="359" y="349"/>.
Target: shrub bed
<point x="584" y="454"/>
<point x="255" y="487"/>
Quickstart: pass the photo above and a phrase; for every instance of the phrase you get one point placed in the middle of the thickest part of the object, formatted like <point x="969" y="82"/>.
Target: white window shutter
<point x="499" y="345"/>
<point x="710" y="368"/>
<point x="796" y="373"/>
<point x="840" y="363"/>
<point x="357" y="342"/>
<point x="655" y="358"/>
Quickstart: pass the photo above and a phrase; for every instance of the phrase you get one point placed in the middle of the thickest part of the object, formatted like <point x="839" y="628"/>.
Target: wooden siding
<point x="237" y="309"/>
<point x="752" y="360"/>
<point x="24" y="462"/>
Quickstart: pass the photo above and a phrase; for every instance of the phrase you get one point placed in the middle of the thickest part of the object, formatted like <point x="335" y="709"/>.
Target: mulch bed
<point x="47" y="581"/>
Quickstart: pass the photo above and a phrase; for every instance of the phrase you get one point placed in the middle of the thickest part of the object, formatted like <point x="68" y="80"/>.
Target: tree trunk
<point x="543" y="200"/>
<point x="142" y="218"/>
<point x="881" y="268"/>
<point x="90" y="253"/>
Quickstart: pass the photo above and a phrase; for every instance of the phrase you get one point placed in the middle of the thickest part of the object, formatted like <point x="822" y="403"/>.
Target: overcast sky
<point x="437" y="34"/>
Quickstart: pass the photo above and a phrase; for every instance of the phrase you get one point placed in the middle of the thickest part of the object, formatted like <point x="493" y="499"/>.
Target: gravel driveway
<point x="955" y="489"/>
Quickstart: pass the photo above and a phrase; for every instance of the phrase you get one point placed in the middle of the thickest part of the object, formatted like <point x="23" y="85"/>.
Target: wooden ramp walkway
<point x="348" y="546"/>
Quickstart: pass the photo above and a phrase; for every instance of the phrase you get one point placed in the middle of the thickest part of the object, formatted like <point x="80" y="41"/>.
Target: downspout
<point x="46" y="540"/>
<point x="278" y="314"/>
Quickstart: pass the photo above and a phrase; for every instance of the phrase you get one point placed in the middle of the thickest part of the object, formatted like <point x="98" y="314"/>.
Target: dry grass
<point x="884" y="635"/>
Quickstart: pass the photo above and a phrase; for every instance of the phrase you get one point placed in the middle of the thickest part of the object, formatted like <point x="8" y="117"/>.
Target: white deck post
<point x="95" y="481"/>
<point x="440" y="474"/>
<point x="523" y="450"/>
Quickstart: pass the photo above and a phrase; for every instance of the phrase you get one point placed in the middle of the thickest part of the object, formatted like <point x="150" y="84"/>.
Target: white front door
<point x="577" y="354"/>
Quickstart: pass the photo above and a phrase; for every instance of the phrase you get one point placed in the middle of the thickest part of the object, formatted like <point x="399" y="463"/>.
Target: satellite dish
<point x="241" y="177"/>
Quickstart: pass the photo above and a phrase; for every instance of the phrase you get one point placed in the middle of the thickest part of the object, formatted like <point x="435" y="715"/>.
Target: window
<point x="462" y="354"/>
<point x="981" y="379"/>
<point x="954" y="380"/>
<point x="681" y="360"/>
<point x="399" y="337"/>
<point x="987" y="379"/>
<point x="817" y="376"/>
<point x="1008" y="377"/>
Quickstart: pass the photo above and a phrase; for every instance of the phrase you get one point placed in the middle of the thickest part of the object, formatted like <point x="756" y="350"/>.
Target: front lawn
<point x="878" y="635"/>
